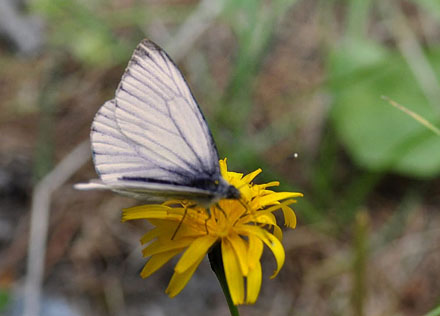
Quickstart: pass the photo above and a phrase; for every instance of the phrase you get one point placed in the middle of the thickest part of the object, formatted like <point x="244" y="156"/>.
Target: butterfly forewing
<point x="122" y="169"/>
<point x="152" y="141"/>
<point x="156" y="111"/>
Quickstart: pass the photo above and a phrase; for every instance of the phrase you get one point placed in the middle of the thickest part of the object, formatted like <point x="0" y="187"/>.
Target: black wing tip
<point x="149" y="44"/>
<point x="143" y="47"/>
<point x="142" y="52"/>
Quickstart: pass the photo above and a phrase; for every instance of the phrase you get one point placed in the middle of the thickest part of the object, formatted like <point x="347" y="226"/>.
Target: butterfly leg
<point x="243" y="204"/>
<point x="217" y="205"/>
<point x="246" y="210"/>
<point x="206" y="222"/>
<point x="181" y="221"/>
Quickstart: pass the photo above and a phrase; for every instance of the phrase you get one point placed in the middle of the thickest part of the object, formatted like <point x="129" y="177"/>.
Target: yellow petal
<point x="266" y="218"/>
<point x="277" y="232"/>
<point x="255" y="250"/>
<point x="146" y="208"/>
<point x="270" y="184"/>
<point x="278" y="251"/>
<point x="276" y="197"/>
<point x="289" y="216"/>
<point x="253" y="284"/>
<point x="233" y="274"/>
<point x="234" y="176"/>
<point x="173" y="202"/>
<point x="160" y="222"/>
<point x="179" y="280"/>
<point x="164" y="230"/>
<point x="149" y="236"/>
<point x="246" y="192"/>
<point x="157" y="261"/>
<point x="232" y="207"/>
<point x="143" y="213"/>
<point x="223" y="168"/>
<point x="195" y="251"/>
<point x="251" y="176"/>
<point x="240" y="249"/>
<point x="275" y="207"/>
<point x="168" y="229"/>
<point x="270" y="241"/>
<point x="159" y="247"/>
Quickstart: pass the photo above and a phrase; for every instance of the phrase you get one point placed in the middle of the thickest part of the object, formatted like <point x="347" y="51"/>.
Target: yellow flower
<point x="241" y="227"/>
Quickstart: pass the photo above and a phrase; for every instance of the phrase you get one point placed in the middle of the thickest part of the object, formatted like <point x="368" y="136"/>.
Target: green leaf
<point x="376" y="135"/>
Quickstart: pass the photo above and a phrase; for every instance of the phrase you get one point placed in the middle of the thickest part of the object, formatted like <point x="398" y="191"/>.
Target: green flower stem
<point x="216" y="261"/>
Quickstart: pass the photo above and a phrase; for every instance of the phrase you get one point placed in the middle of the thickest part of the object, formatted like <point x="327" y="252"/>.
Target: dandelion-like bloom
<point x="241" y="227"/>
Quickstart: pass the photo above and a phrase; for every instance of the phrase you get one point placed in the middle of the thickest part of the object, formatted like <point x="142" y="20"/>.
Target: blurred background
<point x="274" y="79"/>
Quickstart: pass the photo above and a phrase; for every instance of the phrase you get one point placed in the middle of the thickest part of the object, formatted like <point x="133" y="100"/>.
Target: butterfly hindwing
<point x="151" y="141"/>
<point x="122" y="169"/>
<point x="115" y="156"/>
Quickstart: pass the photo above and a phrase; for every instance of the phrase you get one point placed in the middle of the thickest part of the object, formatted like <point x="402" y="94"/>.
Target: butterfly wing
<point x="152" y="140"/>
<point x="122" y="169"/>
<point x="156" y="110"/>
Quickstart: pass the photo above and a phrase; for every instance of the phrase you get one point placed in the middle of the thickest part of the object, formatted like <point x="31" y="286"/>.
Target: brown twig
<point x="41" y="199"/>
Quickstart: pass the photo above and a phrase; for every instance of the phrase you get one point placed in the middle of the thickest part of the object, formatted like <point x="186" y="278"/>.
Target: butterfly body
<point x="151" y="141"/>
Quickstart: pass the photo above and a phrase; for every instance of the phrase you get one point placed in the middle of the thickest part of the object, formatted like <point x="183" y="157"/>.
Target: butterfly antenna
<point x="180" y="222"/>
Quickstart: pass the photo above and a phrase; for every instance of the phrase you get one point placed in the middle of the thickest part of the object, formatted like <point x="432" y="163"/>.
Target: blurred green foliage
<point x="254" y="27"/>
<point x="434" y="312"/>
<point x="377" y="136"/>
<point x="360" y="70"/>
<point x="85" y="29"/>
<point x="361" y="65"/>
<point x="5" y="299"/>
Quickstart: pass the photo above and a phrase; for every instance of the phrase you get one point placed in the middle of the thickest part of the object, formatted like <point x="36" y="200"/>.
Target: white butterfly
<point x="151" y="141"/>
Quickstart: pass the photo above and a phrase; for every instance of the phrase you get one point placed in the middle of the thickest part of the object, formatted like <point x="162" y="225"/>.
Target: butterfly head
<point x="232" y="192"/>
<point x="226" y="190"/>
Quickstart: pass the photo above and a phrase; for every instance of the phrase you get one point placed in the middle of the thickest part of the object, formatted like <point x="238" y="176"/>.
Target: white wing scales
<point x="153" y="89"/>
<point x="152" y="141"/>
<point x="114" y="155"/>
